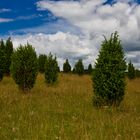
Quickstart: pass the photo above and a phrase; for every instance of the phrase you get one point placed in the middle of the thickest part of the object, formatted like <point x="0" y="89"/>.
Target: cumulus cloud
<point x="126" y="1"/>
<point x="63" y="45"/>
<point x="80" y="31"/>
<point x="95" y="18"/>
<point x="90" y="15"/>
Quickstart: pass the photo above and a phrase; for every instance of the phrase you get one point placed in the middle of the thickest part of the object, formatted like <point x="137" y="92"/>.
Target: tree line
<point x="108" y="75"/>
<point x="67" y="68"/>
<point x="6" y="50"/>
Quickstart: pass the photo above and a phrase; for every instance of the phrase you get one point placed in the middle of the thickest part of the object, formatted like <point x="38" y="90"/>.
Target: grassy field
<point x="64" y="111"/>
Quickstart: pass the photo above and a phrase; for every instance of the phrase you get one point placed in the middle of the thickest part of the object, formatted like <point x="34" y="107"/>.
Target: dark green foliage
<point x="7" y="49"/>
<point x="41" y="62"/>
<point x="66" y="66"/>
<point x="8" y="54"/>
<point x="90" y="69"/>
<point x="1" y="65"/>
<point x="2" y="45"/>
<point x="24" y="67"/>
<point x="131" y="71"/>
<point x="137" y="73"/>
<point x="1" y="75"/>
<point x="73" y="71"/>
<point x="79" y="67"/>
<point x="2" y="59"/>
<point x="58" y="69"/>
<point x="109" y="73"/>
<point x="51" y="69"/>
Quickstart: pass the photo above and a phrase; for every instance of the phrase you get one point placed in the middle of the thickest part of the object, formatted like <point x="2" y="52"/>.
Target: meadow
<point x="64" y="111"/>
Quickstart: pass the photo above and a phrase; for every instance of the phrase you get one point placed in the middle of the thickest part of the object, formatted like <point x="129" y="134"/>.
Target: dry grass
<point x="64" y="111"/>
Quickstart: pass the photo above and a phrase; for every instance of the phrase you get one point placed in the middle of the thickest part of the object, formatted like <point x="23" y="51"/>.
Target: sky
<point x="72" y="29"/>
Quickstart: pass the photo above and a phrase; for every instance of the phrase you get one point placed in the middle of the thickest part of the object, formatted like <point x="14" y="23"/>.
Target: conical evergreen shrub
<point x="51" y="69"/>
<point x="24" y="67"/>
<point x="90" y="69"/>
<point x="131" y="71"/>
<point x="8" y="54"/>
<point x="2" y="59"/>
<point x="41" y="62"/>
<point x="1" y="64"/>
<point x="79" y="67"/>
<point x="109" y="73"/>
<point x="66" y="66"/>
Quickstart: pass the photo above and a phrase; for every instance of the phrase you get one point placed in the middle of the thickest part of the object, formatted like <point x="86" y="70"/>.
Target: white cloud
<point x="95" y="19"/>
<point x="3" y="10"/>
<point x="81" y="32"/>
<point x="89" y="15"/>
<point x="48" y="28"/>
<point x="125" y="1"/>
<point x="64" y="45"/>
<point x="2" y="20"/>
<point x="27" y="17"/>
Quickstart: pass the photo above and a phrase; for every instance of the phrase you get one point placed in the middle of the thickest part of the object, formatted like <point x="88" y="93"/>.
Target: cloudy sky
<point x="72" y="29"/>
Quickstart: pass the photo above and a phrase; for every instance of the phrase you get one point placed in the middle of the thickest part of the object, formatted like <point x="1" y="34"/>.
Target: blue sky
<point x="72" y="29"/>
<point x="24" y="15"/>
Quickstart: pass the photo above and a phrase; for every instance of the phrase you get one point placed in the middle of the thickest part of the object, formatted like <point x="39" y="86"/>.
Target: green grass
<point x="64" y="111"/>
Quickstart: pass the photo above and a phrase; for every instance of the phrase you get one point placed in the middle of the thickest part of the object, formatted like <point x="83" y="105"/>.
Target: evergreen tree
<point x="1" y="64"/>
<point x="131" y="71"/>
<point x="137" y="73"/>
<point x="79" y="67"/>
<point x="90" y="69"/>
<point x="24" y="67"/>
<point x="2" y="45"/>
<point x="8" y="54"/>
<point x="66" y="66"/>
<point x="109" y="73"/>
<point x="51" y="69"/>
<point x="58" y="69"/>
<point x="73" y="71"/>
<point x="41" y="62"/>
<point x="2" y="59"/>
<point x="1" y="75"/>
